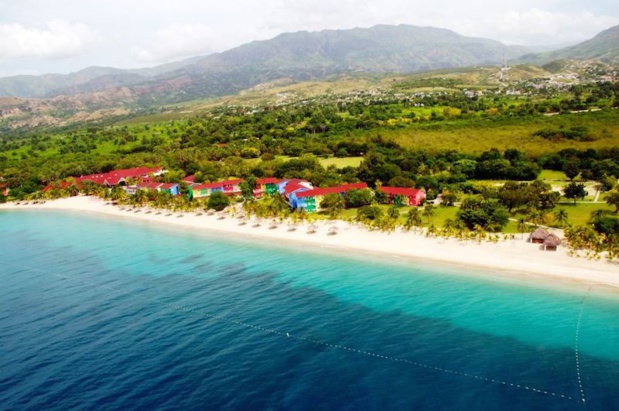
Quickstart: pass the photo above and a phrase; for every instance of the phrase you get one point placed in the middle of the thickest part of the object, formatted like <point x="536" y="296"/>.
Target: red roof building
<point x="404" y="196"/>
<point x="321" y="192"/>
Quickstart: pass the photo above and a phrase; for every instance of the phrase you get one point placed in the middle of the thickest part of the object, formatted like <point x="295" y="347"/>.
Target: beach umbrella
<point x="312" y="229"/>
<point x="333" y="230"/>
<point x="274" y="224"/>
<point x="257" y="222"/>
<point x="292" y="227"/>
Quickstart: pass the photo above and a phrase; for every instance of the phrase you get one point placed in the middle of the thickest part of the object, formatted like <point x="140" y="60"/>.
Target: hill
<point x="299" y="56"/>
<point x="603" y="47"/>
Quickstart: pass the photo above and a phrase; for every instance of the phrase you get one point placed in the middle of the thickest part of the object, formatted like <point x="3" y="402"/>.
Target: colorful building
<point x="403" y="196"/>
<point x="228" y="187"/>
<point x="266" y="186"/>
<point x="170" y="188"/>
<point x="310" y="199"/>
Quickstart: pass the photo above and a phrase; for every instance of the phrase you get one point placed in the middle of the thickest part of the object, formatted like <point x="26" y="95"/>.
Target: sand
<point x="513" y="258"/>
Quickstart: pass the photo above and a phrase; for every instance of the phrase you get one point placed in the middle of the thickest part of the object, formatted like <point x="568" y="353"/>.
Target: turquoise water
<point x="97" y="312"/>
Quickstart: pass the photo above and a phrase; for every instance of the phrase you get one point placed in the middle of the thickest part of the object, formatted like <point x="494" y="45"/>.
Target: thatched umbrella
<point x="243" y="221"/>
<point x="551" y="242"/>
<point x="332" y="230"/>
<point x="274" y="224"/>
<point x="312" y="229"/>
<point x="292" y="227"/>
<point x="538" y="236"/>
<point x="257" y="222"/>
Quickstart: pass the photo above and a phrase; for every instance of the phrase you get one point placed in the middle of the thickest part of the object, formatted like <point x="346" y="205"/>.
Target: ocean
<point x="101" y="313"/>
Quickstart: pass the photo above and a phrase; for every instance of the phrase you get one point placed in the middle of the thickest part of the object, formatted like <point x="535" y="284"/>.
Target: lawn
<point x="552" y="175"/>
<point x="580" y="213"/>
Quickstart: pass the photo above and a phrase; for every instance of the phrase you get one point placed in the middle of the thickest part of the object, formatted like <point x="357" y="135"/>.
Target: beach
<point x="513" y="258"/>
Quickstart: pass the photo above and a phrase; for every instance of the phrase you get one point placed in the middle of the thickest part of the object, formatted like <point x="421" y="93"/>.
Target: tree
<point x="561" y="217"/>
<point x="358" y="198"/>
<point x="571" y="168"/>
<point x="428" y="212"/>
<point x="613" y="200"/>
<point x="488" y="214"/>
<point x="522" y="226"/>
<point x="218" y="201"/>
<point x="575" y="191"/>
<point x="393" y="213"/>
<point x="371" y="213"/>
<point x="449" y="198"/>
<point x="333" y="203"/>
<point x="413" y="219"/>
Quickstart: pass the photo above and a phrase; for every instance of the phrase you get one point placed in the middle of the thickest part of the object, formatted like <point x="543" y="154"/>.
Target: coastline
<point x="514" y="258"/>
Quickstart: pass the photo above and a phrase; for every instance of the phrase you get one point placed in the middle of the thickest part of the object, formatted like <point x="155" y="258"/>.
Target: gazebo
<point x="551" y="242"/>
<point x="538" y="236"/>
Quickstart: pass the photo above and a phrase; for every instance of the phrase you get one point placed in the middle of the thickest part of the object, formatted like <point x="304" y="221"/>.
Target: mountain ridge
<point x="301" y="55"/>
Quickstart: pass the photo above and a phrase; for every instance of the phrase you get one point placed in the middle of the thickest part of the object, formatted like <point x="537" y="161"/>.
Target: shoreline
<point x="510" y="259"/>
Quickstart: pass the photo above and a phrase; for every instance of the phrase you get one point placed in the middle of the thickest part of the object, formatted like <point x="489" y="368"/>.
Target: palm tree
<point x="561" y="217"/>
<point x="413" y="219"/>
<point x="428" y="212"/>
<point x="522" y="226"/>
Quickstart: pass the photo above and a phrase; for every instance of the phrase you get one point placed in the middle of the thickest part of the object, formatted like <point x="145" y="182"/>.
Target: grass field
<point x="552" y="175"/>
<point x="482" y="134"/>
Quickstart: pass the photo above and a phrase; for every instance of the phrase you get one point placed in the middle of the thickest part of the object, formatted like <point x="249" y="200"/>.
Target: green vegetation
<point x="495" y="163"/>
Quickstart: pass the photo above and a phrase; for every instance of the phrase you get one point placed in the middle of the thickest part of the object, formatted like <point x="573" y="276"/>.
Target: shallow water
<point x="101" y="313"/>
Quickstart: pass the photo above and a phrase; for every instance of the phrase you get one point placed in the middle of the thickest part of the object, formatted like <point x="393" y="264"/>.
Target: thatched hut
<point x="538" y="236"/>
<point x="551" y="242"/>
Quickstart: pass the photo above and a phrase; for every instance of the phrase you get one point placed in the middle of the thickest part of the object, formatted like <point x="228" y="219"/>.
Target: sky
<point x="62" y="36"/>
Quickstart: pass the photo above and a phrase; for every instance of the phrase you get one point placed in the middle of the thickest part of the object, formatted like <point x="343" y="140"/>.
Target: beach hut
<point x="538" y="236"/>
<point x="551" y="242"/>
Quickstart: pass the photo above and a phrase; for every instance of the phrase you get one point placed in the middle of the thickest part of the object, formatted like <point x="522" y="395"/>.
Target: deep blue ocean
<point x="98" y="313"/>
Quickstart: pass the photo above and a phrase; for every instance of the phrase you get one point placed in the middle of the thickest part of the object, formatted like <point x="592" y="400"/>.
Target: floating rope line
<point x="577" y="346"/>
<point x="284" y="334"/>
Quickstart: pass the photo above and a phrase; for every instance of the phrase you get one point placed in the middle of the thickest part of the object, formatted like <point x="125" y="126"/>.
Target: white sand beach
<point x="513" y="258"/>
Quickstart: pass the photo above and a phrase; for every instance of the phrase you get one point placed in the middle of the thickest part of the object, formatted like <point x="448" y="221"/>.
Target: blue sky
<point x="61" y="36"/>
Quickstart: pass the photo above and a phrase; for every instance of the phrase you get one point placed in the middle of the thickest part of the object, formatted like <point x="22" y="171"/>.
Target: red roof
<point x="217" y="184"/>
<point x="167" y="186"/>
<point x="295" y="185"/>
<point x="190" y="179"/>
<point x="268" y="180"/>
<point x="152" y="186"/>
<point x="331" y="190"/>
<point x="400" y="191"/>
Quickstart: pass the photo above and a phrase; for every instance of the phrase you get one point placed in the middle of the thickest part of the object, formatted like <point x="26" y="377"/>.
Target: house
<point x="170" y="188"/>
<point x="4" y="189"/>
<point x="228" y="187"/>
<point x="404" y="196"/>
<point x="310" y="199"/>
<point x="190" y="180"/>
<point x="121" y="177"/>
<point x="266" y="186"/>
<point x="290" y="188"/>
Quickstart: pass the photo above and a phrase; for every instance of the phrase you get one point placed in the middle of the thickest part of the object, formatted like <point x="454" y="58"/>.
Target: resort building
<point x="403" y="196"/>
<point x="4" y="189"/>
<point x="228" y="187"/>
<point x="310" y="199"/>
<point x="290" y="188"/>
<point x="170" y="188"/>
<point x="266" y="186"/>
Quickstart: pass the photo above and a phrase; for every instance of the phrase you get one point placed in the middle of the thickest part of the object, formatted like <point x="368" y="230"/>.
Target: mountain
<point x="88" y="80"/>
<point x="603" y="47"/>
<point x="298" y="56"/>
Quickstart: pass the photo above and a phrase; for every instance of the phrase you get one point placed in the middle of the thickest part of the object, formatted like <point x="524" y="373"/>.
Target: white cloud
<point x="182" y="40"/>
<point x="59" y="39"/>
<point x="535" y="26"/>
